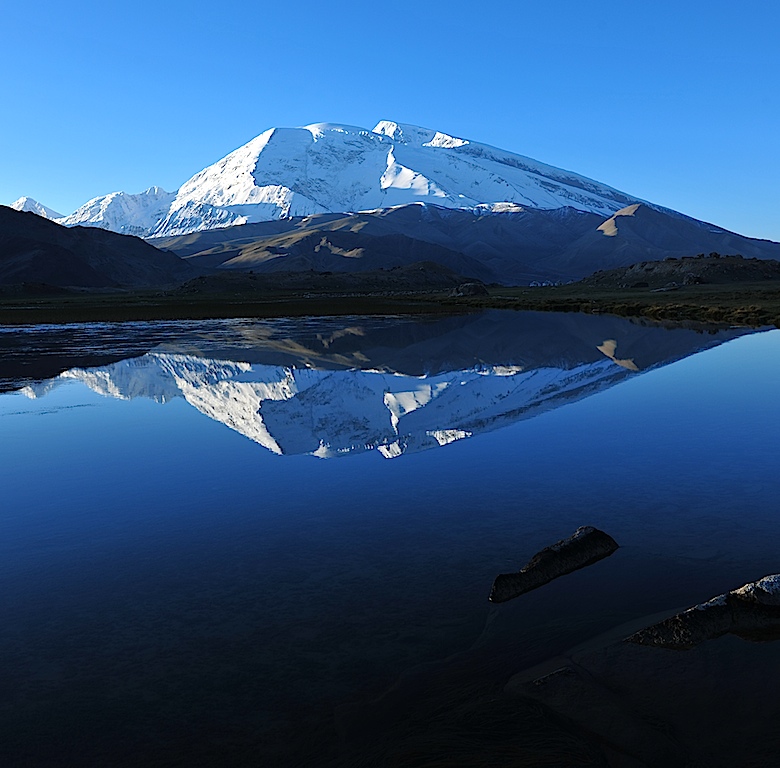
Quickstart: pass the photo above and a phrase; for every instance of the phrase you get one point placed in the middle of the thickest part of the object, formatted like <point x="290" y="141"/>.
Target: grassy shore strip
<point x="749" y="304"/>
<point x="124" y="308"/>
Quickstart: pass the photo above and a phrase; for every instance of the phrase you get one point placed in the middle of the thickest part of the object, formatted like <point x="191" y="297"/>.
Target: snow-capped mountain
<point x="33" y="206"/>
<point x="120" y="212"/>
<point x="326" y="167"/>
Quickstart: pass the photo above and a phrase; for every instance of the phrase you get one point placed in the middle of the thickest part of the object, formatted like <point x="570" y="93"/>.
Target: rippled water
<point x="271" y="542"/>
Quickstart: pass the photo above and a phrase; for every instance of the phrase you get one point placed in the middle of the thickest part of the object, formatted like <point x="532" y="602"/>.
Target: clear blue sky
<point x="675" y="102"/>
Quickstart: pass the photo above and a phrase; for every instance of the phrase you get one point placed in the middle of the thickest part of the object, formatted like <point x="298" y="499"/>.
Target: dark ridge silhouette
<point x="36" y="250"/>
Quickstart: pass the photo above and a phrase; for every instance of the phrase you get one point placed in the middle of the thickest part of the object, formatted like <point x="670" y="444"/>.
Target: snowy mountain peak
<point x="321" y="130"/>
<point x="33" y="206"/>
<point x="421" y="137"/>
<point x="336" y="168"/>
<point x="331" y="167"/>
<point x="121" y="212"/>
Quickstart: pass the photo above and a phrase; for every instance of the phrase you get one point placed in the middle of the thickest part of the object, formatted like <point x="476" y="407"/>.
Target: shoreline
<point x="745" y="304"/>
<point x="86" y="309"/>
<point x="752" y="305"/>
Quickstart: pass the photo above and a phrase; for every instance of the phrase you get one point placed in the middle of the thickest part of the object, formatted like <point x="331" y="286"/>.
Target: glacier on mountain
<point x="332" y="168"/>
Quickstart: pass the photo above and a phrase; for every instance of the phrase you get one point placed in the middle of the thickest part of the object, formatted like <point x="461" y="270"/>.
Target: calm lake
<point x="271" y="543"/>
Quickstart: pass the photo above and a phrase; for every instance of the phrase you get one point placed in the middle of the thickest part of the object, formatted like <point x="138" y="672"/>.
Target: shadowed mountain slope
<point x="507" y="247"/>
<point x="641" y="233"/>
<point x="34" y="249"/>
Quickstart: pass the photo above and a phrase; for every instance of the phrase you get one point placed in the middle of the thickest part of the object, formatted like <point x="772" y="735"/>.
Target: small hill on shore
<point x="686" y="271"/>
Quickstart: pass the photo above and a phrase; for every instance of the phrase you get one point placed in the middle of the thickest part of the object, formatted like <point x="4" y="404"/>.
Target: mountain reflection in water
<point x="336" y="386"/>
<point x="176" y="595"/>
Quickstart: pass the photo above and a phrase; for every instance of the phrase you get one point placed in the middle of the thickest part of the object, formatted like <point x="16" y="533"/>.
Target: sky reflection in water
<point x="172" y="581"/>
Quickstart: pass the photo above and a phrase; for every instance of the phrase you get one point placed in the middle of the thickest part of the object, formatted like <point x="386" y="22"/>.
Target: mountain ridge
<point x="293" y="171"/>
<point x="28" y="204"/>
<point x="515" y="247"/>
<point x="36" y="250"/>
<point x="331" y="197"/>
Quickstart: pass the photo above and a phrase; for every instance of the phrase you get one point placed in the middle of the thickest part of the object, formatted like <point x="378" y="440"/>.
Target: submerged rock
<point x="714" y="706"/>
<point x="587" y="545"/>
<point x="751" y="612"/>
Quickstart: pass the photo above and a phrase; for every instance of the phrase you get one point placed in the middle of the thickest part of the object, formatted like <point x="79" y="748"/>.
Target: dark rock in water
<point x="587" y="545"/>
<point x="751" y="612"/>
<point x="469" y="289"/>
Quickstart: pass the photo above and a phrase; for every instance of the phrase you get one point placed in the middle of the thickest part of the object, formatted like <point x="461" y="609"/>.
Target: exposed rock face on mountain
<point x="340" y="250"/>
<point x="643" y="233"/>
<point x="33" y="249"/>
<point x="517" y="246"/>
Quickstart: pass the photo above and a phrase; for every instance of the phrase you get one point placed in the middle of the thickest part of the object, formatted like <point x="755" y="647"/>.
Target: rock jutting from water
<point x="751" y="612"/>
<point x="587" y="545"/>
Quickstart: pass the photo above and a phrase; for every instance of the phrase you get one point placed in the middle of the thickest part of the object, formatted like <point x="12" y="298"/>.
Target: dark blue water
<point x="177" y="592"/>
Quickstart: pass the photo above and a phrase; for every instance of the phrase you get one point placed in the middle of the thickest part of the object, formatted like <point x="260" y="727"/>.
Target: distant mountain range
<point x="333" y="197"/>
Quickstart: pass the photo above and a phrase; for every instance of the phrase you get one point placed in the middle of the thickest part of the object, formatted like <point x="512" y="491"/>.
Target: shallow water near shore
<point x="272" y="542"/>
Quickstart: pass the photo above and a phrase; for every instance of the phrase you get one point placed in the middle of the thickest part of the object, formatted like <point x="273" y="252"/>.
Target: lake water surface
<point x="271" y="542"/>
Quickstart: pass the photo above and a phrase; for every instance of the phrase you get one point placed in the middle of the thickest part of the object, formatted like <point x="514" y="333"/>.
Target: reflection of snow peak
<point x="332" y="413"/>
<point x="447" y="436"/>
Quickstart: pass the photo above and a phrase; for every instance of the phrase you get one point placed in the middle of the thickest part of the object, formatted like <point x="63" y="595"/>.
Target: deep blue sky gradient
<point x="675" y="102"/>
